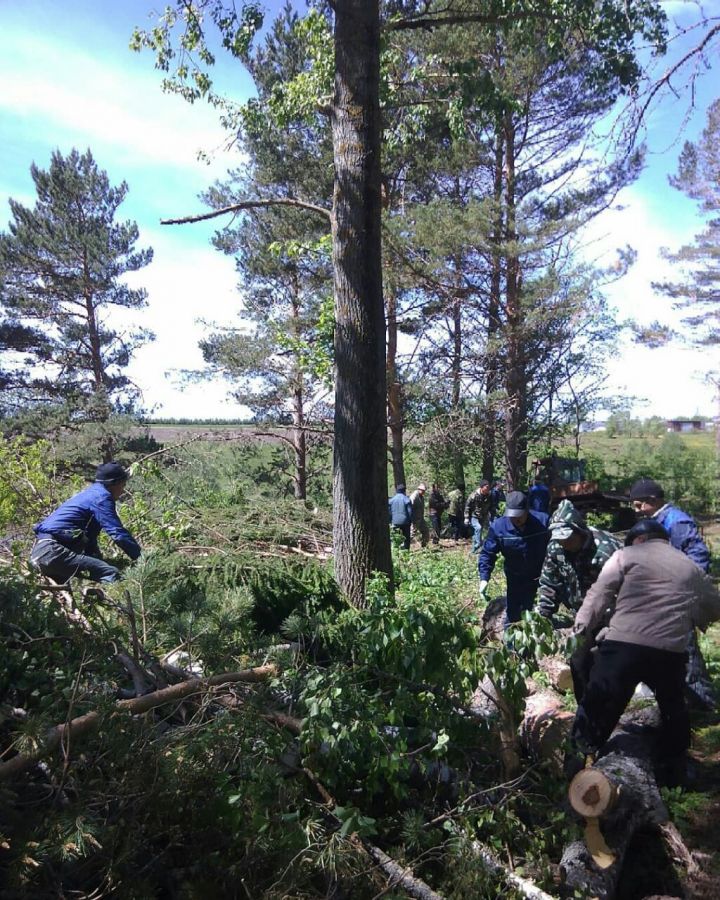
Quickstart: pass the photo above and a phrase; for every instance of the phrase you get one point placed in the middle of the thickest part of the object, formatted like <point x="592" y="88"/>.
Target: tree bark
<point x="625" y="798"/>
<point x="516" y="414"/>
<point x="545" y="727"/>
<point x="361" y="533"/>
<point x="395" y="403"/>
<point x="299" y="439"/>
<point x="493" y="380"/>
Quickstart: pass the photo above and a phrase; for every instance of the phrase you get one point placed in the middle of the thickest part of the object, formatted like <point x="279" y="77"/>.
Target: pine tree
<point x="61" y="275"/>
<point x="275" y="361"/>
<point x="698" y="292"/>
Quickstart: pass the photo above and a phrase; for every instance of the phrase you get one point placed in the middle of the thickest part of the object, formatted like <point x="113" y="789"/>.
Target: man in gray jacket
<point x="656" y="594"/>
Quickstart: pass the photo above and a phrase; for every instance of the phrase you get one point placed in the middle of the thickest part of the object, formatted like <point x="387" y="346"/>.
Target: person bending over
<point x="656" y="595"/>
<point x="66" y="542"/>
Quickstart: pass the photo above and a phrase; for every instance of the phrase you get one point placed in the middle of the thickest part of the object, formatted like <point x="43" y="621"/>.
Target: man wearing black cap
<point x="67" y="540"/>
<point x="649" y="502"/>
<point x="521" y="536"/>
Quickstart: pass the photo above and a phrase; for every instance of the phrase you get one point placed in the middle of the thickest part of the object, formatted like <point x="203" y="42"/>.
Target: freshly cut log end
<point x="637" y="804"/>
<point x="591" y="793"/>
<point x="558" y="672"/>
<point x="545" y="727"/>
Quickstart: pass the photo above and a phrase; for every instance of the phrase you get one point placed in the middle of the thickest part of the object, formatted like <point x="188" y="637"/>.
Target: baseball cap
<point x="516" y="504"/>
<point x="645" y="489"/>
<point x="111" y="473"/>
<point x="566" y="521"/>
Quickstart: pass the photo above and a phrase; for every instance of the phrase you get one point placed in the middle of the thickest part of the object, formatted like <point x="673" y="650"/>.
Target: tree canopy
<point x="62" y="268"/>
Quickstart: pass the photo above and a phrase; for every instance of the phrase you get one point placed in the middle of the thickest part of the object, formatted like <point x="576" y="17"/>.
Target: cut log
<point x="493" y="618"/>
<point x="545" y="727"/>
<point x="558" y="672"/>
<point x="620" y="794"/>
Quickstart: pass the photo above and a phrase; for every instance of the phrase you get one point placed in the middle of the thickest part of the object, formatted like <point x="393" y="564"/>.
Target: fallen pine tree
<point x="78" y="727"/>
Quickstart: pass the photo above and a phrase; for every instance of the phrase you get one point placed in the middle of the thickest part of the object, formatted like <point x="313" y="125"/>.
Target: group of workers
<point x="465" y="517"/>
<point x="634" y="605"/>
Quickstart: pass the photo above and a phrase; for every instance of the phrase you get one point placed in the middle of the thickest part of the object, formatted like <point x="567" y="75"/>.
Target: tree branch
<point x="90" y="721"/>
<point x="251" y="204"/>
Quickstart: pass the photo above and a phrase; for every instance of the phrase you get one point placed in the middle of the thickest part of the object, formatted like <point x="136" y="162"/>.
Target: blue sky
<point x="69" y="80"/>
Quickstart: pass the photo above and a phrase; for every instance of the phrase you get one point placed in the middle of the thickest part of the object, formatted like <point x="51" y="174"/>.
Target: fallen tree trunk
<point x="82" y="725"/>
<point x="545" y="727"/>
<point x="616" y="796"/>
<point x="557" y="671"/>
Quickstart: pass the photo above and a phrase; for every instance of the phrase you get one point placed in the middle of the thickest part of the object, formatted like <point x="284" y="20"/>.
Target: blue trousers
<point x="61" y="564"/>
<point x="477" y="527"/>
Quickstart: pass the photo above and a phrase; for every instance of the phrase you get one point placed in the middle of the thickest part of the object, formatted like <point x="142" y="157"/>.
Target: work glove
<point x="483" y="589"/>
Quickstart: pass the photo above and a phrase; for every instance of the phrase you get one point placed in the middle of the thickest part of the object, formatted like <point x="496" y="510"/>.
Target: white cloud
<point x="671" y="379"/>
<point x="100" y="104"/>
<point x="184" y="286"/>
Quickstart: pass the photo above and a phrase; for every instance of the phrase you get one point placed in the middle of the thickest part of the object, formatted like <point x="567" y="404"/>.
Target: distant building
<point x="684" y="426"/>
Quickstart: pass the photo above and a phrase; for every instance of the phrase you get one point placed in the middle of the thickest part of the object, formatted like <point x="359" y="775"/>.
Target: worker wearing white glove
<point x="483" y="589"/>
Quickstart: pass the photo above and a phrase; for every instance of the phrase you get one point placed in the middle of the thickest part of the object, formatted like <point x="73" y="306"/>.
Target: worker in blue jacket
<point x="539" y="496"/>
<point x="67" y="540"/>
<point x="400" y="513"/>
<point x="521" y="535"/>
<point x="648" y="499"/>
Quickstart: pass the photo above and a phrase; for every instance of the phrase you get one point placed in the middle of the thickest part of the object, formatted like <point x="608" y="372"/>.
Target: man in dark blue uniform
<point x="539" y="497"/>
<point x="67" y="540"/>
<point x="521" y="536"/>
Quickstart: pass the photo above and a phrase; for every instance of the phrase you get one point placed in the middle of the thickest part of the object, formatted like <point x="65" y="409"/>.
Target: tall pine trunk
<point x="493" y="379"/>
<point x="361" y="535"/>
<point x="516" y="414"/>
<point x="395" y="399"/>
<point x="456" y="363"/>
<point x="299" y="437"/>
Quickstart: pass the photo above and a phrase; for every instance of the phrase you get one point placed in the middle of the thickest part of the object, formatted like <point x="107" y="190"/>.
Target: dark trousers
<point x="617" y="670"/>
<point x="405" y="532"/>
<point x="520" y="598"/>
<point x="61" y="564"/>
<point x="698" y="687"/>
<point x="457" y="527"/>
<point x="436" y="526"/>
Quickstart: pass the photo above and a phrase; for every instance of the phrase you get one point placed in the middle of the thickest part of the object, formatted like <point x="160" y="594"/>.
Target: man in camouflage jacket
<point x="575" y="555"/>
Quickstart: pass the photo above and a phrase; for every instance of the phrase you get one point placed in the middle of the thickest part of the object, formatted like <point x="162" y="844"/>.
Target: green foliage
<point x="684" y="806"/>
<point x="512" y="663"/>
<point x="62" y="264"/>
<point x="388" y="713"/>
<point x="27" y="482"/>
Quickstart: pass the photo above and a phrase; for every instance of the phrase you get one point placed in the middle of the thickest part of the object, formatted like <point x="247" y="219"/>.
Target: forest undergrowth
<point x="355" y="731"/>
